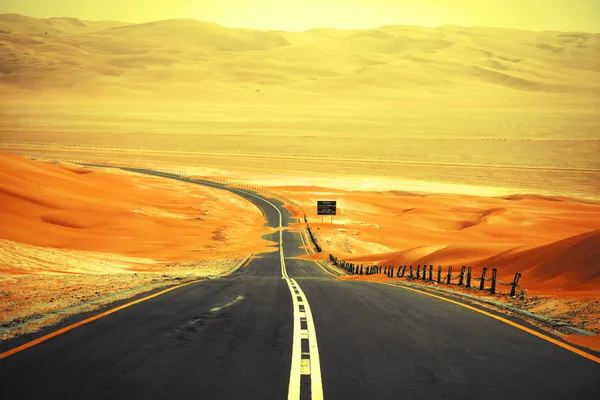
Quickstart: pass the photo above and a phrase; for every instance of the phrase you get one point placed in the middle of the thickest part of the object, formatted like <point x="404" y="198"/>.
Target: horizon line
<point x="301" y="31"/>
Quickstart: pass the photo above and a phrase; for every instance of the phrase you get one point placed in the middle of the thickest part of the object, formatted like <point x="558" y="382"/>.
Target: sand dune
<point x="80" y="209"/>
<point x="569" y="264"/>
<point x="13" y="23"/>
<point x="553" y="242"/>
<point x="74" y="238"/>
<point x="116" y="57"/>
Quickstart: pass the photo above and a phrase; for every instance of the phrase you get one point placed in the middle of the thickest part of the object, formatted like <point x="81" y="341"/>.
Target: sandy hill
<point x="191" y="58"/>
<point x="71" y="208"/>
<point x="569" y="264"/>
<point x="16" y="23"/>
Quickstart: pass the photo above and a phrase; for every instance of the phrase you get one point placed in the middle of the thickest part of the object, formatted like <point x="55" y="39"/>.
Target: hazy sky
<point x="298" y="15"/>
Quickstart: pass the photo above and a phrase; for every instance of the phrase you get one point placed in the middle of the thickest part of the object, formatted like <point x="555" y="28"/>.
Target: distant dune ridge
<point x="192" y="58"/>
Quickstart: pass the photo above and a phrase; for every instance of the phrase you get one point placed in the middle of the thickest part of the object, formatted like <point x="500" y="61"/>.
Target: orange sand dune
<point x="569" y="264"/>
<point x="553" y="241"/>
<point x="73" y="208"/>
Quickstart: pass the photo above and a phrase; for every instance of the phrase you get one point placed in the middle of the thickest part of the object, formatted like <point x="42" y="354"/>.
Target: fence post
<point x="361" y="269"/>
<point x="513" y="289"/>
<point x="449" y="274"/>
<point x="482" y="283"/>
<point x="469" y="278"/>
<point x="430" y="272"/>
<point x="411" y="272"/>
<point x="403" y="271"/>
<point x="462" y="276"/>
<point x="493" y="288"/>
<point x="439" y="280"/>
<point x="419" y="271"/>
<point x="391" y="272"/>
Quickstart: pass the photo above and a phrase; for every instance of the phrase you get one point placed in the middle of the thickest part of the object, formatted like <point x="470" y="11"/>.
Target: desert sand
<point x="71" y="234"/>
<point x="511" y="109"/>
<point x="450" y="145"/>
<point x="553" y="242"/>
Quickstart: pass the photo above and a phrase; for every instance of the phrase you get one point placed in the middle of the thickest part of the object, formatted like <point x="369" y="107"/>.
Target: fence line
<point x="465" y="278"/>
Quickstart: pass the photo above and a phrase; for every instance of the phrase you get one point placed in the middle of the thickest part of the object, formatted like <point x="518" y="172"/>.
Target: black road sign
<point x="326" y="207"/>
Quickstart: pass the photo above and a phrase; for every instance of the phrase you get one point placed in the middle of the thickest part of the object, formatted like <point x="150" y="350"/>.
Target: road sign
<point x="326" y="207"/>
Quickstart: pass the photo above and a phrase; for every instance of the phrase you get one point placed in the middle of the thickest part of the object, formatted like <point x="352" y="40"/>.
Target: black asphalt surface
<point x="375" y="342"/>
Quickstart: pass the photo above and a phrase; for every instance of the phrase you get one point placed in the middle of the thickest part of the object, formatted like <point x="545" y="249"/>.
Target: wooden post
<point x="403" y="271"/>
<point x="419" y="271"/>
<point x="411" y="272"/>
<point x="513" y="289"/>
<point x="493" y="288"/>
<point x="391" y="272"/>
<point x="462" y="276"/>
<point x="449" y="274"/>
<point x="430" y="272"/>
<point x="469" y="278"/>
<point x="439" y="280"/>
<point x="482" y="282"/>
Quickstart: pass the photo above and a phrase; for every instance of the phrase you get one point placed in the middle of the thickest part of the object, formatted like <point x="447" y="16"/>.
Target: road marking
<point x="306" y="248"/>
<point x="299" y="365"/>
<point x="315" y="362"/>
<point x="86" y="321"/>
<point x="297" y="360"/>
<point x="305" y="366"/>
<point x="305" y="241"/>
<point x="228" y="304"/>
<point x="514" y="324"/>
<point x="249" y="261"/>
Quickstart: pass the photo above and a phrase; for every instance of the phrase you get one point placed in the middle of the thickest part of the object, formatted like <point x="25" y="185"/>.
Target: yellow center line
<point x="514" y="324"/>
<point x="86" y="321"/>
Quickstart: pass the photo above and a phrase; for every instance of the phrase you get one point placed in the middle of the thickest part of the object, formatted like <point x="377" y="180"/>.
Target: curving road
<point x="281" y="328"/>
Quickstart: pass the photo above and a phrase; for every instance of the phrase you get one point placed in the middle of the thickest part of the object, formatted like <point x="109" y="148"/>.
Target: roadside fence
<point x="464" y="278"/>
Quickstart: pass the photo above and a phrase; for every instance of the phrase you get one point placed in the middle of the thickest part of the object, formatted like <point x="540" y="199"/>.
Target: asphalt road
<point x="277" y="330"/>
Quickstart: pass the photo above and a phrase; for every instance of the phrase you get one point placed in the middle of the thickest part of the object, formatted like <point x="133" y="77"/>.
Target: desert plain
<point x="450" y="146"/>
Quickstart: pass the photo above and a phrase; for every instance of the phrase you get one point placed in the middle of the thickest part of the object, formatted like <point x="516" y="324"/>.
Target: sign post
<point x="326" y="207"/>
